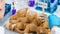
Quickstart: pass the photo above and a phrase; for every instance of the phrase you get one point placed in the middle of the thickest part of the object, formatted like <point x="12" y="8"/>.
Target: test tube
<point x="13" y="10"/>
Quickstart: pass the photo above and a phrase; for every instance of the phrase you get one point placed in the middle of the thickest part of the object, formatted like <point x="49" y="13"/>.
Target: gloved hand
<point x="7" y="8"/>
<point x="53" y="20"/>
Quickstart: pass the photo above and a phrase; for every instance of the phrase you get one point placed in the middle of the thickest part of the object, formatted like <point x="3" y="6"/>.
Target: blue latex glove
<point x="54" y="21"/>
<point x="7" y="8"/>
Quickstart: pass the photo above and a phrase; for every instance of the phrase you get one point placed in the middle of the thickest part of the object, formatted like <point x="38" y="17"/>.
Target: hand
<point x="2" y="8"/>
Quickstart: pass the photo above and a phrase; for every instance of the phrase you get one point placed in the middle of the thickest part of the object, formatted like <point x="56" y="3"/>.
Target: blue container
<point x="50" y="5"/>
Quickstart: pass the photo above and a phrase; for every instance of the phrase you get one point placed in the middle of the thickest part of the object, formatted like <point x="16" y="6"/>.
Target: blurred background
<point x="18" y="5"/>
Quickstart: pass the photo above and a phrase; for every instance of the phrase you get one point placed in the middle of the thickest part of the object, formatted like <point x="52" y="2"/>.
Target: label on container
<point x="42" y="4"/>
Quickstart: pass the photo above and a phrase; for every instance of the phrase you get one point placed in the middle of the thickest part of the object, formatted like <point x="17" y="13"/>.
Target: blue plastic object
<point x="54" y="21"/>
<point x="7" y="8"/>
<point x="13" y="11"/>
<point x="58" y="2"/>
<point x="52" y="1"/>
<point x="31" y="3"/>
<point x="51" y="5"/>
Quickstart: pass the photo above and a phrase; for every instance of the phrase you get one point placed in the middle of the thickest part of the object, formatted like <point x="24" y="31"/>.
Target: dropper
<point x="13" y="10"/>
